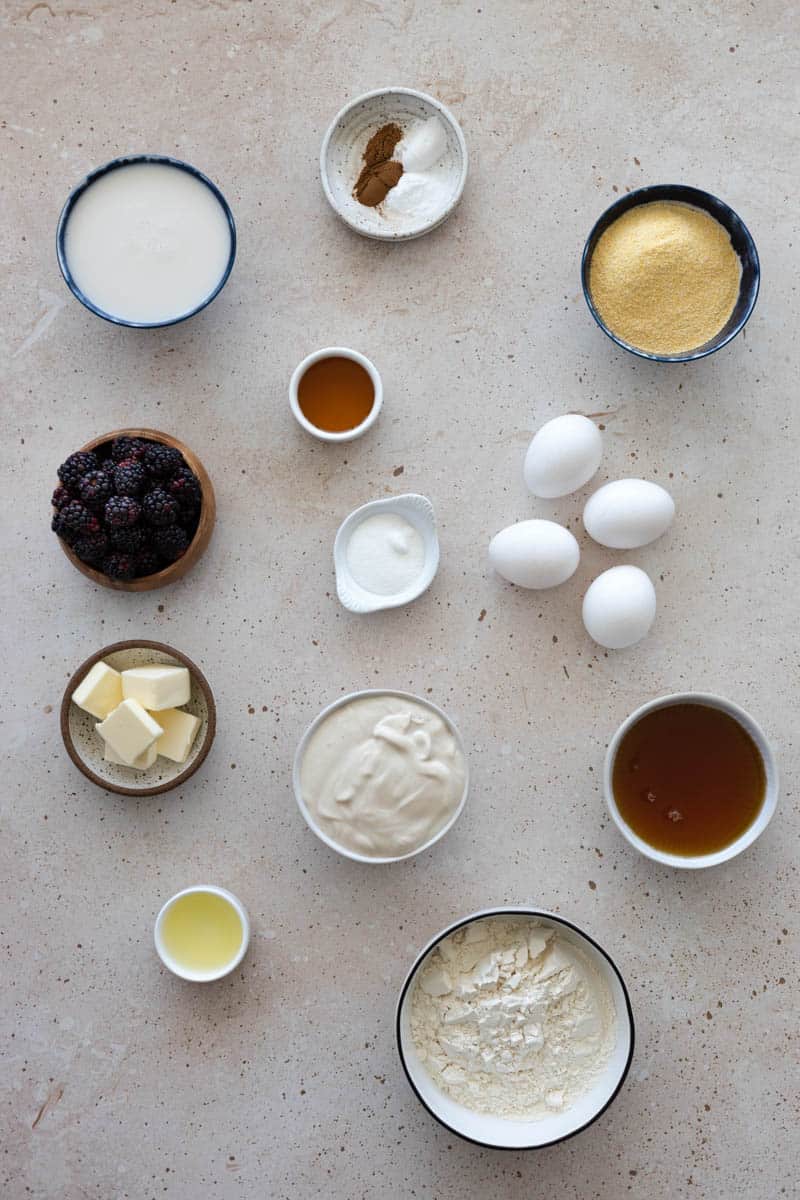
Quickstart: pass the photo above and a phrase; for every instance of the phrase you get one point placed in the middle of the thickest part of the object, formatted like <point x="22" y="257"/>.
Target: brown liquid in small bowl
<point x="688" y="779"/>
<point x="335" y="394"/>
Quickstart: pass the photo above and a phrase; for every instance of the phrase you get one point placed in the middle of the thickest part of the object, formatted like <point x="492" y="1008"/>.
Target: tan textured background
<point x="284" y="1082"/>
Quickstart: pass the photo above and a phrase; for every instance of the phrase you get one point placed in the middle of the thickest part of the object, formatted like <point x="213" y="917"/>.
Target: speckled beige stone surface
<point x="122" y="1083"/>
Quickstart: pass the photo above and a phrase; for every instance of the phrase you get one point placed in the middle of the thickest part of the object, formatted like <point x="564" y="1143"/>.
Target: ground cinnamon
<point x="380" y="171"/>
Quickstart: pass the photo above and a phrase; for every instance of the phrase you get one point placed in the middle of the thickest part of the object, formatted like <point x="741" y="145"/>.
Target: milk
<point x="147" y="242"/>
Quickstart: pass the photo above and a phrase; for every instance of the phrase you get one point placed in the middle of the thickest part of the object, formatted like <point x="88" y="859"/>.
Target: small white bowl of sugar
<point x="386" y="553"/>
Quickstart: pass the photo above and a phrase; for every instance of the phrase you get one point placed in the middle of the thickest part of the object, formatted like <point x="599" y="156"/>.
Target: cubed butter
<point x="157" y="687"/>
<point x="180" y="730"/>
<point x="142" y="762"/>
<point x="100" y="691"/>
<point x="129" y="731"/>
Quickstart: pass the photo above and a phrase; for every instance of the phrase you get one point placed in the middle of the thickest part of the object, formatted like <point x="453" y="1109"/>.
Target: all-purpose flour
<point x="512" y="1019"/>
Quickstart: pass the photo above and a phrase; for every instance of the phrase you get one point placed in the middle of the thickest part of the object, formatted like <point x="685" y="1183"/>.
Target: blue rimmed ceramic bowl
<point x="741" y="241"/>
<point x="115" y="165"/>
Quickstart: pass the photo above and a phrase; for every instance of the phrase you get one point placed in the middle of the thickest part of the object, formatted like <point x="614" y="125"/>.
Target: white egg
<point x="563" y="456"/>
<point x="619" y="607"/>
<point x="628" y="513"/>
<point x="534" y="554"/>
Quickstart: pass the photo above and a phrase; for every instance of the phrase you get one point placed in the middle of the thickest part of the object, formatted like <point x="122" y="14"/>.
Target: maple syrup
<point x="688" y="779"/>
<point x="335" y="394"/>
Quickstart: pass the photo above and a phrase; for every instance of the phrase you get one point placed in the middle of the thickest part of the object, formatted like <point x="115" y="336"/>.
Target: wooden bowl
<point x="198" y="544"/>
<point x="85" y="746"/>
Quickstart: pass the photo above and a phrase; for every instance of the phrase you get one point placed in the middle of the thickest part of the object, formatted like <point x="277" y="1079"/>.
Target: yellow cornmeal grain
<point x="664" y="277"/>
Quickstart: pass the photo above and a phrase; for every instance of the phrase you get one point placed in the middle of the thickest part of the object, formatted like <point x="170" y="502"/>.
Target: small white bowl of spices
<point x="394" y="164"/>
<point x="386" y="553"/>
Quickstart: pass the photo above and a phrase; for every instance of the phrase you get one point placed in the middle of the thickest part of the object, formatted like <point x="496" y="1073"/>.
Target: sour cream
<point x="147" y="242"/>
<point x="382" y="774"/>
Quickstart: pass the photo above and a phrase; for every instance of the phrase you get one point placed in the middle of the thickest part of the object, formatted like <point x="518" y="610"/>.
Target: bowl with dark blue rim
<point x="741" y="241"/>
<point x="536" y="1132"/>
<point x="115" y="165"/>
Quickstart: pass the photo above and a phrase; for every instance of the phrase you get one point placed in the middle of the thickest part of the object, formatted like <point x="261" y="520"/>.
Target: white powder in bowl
<point x="385" y="554"/>
<point x="512" y="1019"/>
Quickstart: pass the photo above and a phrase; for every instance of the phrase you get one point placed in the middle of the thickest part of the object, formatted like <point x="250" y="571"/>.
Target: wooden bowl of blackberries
<point x="134" y="509"/>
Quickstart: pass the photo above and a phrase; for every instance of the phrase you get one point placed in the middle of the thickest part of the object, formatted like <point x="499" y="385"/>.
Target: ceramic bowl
<point x="742" y="243"/>
<point x="85" y="746"/>
<point x="298" y="759"/>
<point x="341" y="160"/>
<point x="202" y="976"/>
<point x="766" y="812"/>
<point x="114" y="165"/>
<point x="197" y="546"/>
<point x="499" y="1133"/>
<point x="345" y="435"/>
<point x="416" y="509"/>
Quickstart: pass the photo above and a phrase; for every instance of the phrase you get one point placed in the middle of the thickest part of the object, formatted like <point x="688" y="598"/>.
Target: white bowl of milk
<point x="146" y="241"/>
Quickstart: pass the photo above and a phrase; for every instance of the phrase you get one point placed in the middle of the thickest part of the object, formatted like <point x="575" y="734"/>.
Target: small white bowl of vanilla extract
<point x="690" y="780"/>
<point x="336" y="394"/>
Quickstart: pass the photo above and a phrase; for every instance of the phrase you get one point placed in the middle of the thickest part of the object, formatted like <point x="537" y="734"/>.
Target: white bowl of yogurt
<point x="146" y="241"/>
<point x="381" y="775"/>
<point x="514" y="1028"/>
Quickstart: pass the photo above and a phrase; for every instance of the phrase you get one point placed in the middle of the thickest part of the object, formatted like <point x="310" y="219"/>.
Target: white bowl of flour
<point x="514" y="1028"/>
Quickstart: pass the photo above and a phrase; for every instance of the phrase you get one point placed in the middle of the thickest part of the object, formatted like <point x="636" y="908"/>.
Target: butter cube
<point x="157" y="687"/>
<point x="142" y="762"/>
<point x="129" y="731"/>
<point x="100" y="691"/>
<point x="180" y="730"/>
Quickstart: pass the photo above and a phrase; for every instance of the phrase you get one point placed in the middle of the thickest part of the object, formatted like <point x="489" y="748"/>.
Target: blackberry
<point x="121" y="511"/>
<point x="171" y="543"/>
<point x="130" y="478"/>
<point x="79" y="519"/>
<point x="57" y="525"/>
<point x="125" y="448"/>
<point x="130" y="541"/>
<point x="77" y="465"/>
<point x="162" y="461"/>
<point x="60" y="497"/>
<point x="95" y="488"/>
<point x="147" y="562"/>
<point x="185" y="487"/>
<point x="119" y="566"/>
<point x="159" y="508"/>
<point x="91" y="549"/>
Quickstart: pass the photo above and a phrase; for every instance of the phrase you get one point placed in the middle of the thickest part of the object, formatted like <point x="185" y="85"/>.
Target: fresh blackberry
<point x="171" y="543"/>
<point x="125" y="448"/>
<point x="159" y="508"/>
<point x="119" y="566"/>
<point x="130" y="541"/>
<point x="76" y="466"/>
<point x="121" y="511"/>
<point x="185" y="487"/>
<point x="130" y="478"/>
<point x="91" y="549"/>
<point x="60" y="497"/>
<point x="162" y="461"/>
<point x="78" y="519"/>
<point x="95" y="488"/>
<point x="147" y="562"/>
<point x="64" y="532"/>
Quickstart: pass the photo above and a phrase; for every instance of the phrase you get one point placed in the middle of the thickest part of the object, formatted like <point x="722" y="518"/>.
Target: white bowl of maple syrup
<point x="690" y="780"/>
<point x="336" y="394"/>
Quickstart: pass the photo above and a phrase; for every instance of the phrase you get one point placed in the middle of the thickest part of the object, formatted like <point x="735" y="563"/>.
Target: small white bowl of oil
<point x="202" y="933"/>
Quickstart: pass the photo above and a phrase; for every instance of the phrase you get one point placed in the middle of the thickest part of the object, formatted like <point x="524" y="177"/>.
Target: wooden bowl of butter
<point x="138" y="718"/>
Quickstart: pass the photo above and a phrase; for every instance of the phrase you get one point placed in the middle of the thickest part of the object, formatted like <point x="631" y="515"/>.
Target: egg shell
<point x="534" y="554"/>
<point x="628" y="513"/>
<point x="619" y="607"/>
<point x="563" y="456"/>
